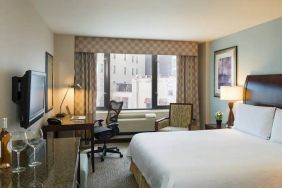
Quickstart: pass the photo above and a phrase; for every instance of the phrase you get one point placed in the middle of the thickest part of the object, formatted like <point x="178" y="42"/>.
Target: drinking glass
<point x="18" y="144"/>
<point x="35" y="183"/>
<point x="34" y="138"/>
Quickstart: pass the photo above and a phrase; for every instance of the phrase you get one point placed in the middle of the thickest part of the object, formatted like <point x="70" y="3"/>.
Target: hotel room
<point x="145" y="94"/>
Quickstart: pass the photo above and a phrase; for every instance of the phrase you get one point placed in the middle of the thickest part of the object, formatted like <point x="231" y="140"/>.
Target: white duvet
<point x="223" y="158"/>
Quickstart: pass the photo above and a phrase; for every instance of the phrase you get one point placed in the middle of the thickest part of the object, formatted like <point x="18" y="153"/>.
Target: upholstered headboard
<point x="263" y="90"/>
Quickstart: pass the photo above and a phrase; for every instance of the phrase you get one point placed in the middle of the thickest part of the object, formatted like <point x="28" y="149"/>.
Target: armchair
<point x="180" y="118"/>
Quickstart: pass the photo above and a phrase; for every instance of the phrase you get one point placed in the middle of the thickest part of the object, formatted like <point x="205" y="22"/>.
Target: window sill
<point x="134" y="111"/>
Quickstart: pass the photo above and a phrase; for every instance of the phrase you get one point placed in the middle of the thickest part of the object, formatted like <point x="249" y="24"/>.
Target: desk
<point x="72" y="125"/>
<point x="59" y="168"/>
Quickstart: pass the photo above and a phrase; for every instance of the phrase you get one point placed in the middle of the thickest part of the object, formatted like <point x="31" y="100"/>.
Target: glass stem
<point x="34" y="156"/>
<point x="18" y="159"/>
<point x="34" y="174"/>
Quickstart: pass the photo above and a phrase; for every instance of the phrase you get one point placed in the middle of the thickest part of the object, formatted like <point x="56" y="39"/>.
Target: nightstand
<point x="214" y="126"/>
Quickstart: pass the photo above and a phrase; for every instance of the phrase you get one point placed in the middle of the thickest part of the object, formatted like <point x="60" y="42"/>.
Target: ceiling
<point x="193" y="20"/>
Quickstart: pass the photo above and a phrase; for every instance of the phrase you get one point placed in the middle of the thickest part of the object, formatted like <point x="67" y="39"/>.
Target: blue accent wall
<point x="259" y="52"/>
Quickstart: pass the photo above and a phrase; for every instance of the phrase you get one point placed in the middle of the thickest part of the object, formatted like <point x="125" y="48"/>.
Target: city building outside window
<point x="152" y="83"/>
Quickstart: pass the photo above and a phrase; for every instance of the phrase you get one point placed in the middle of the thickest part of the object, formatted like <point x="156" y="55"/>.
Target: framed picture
<point x="225" y="68"/>
<point x="49" y="82"/>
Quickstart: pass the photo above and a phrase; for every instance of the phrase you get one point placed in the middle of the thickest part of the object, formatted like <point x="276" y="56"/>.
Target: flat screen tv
<point x="28" y="93"/>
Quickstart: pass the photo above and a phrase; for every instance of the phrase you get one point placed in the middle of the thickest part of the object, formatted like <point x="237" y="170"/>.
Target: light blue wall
<point x="259" y="52"/>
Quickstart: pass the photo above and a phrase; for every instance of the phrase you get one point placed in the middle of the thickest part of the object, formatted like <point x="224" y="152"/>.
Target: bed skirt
<point x="138" y="176"/>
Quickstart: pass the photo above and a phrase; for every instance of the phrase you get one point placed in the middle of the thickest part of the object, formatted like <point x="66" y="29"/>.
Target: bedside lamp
<point x="231" y="94"/>
<point x="61" y="114"/>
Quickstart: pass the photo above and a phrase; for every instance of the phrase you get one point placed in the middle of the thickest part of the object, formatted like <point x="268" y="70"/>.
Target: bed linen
<point x="210" y="158"/>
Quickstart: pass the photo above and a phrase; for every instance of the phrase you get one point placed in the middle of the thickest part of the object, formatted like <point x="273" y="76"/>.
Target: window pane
<point x="100" y="80"/>
<point x="166" y="79"/>
<point x="134" y="89"/>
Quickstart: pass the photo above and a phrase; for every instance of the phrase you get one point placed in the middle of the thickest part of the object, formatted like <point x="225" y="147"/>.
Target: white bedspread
<point x="211" y="158"/>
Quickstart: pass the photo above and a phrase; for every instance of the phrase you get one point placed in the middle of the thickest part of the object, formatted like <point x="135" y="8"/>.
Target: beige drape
<point x="187" y="82"/>
<point x="135" y="46"/>
<point x="85" y="75"/>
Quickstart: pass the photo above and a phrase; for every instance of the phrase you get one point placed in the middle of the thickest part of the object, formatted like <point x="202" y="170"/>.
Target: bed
<point x="216" y="158"/>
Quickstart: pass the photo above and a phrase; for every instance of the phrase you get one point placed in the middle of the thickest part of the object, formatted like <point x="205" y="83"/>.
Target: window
<point x="151" y="84"/>
<point x="129" y="88"/>
<point x="166" y="80"/>
<point x="100" y="80"/>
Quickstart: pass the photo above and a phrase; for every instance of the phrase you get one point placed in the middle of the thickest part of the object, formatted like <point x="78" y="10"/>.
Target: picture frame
<point x="225" y="68"/>
<point x="49" y="82"/>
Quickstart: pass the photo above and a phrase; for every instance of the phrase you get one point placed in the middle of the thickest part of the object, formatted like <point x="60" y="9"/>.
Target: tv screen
<point x="29" y="94"/>
<point x="37" y="93"/>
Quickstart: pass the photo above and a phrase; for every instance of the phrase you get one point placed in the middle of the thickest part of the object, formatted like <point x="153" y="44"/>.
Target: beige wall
<point x="204" y="87"/>
<point x="63" y="71"/>
<point x="24" y="39"/>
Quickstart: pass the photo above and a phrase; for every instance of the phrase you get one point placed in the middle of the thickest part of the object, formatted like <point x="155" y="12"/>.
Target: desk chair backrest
<point x="180" y="114"/>
<point x="113" y="111"/>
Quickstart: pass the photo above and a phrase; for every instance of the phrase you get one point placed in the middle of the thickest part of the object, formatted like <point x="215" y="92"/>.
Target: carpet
<point x="113" y="172"/>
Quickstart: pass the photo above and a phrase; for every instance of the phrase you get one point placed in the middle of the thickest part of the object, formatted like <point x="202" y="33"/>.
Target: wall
<point x="259" y="52"/>
<point x="204" y="87"/>
<point x="63" y="71"/>
<point x="24" y="39"/>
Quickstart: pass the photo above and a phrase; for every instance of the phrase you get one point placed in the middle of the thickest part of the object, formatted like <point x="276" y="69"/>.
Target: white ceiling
<point x="196" y="20"/>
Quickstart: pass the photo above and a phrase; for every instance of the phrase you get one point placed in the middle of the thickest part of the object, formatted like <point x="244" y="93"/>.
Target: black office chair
<point x="104" y="133"/>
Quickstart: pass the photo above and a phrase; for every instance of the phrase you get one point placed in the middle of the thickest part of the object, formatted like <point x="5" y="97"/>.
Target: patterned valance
<point x="135" y="46"/>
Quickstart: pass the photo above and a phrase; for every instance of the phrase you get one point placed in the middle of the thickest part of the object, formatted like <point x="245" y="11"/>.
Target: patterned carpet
<point x="113" y="172"/>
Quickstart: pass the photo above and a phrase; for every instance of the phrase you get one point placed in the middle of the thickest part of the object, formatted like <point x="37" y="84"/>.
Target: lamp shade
<point x="231" y="93"/>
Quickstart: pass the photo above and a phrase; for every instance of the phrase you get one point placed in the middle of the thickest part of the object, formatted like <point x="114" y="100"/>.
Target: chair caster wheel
<point x="121" y="156"/>
<point x="102" y="159"/>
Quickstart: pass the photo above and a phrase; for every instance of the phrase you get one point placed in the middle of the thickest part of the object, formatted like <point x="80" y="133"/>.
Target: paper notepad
<point x="78" y="118"/>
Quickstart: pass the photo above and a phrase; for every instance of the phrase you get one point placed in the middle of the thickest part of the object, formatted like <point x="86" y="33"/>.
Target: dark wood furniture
<point x="214" y="126"/>
<point x="263" y="90"/>
<point x="72" y="125"/>
<point x="59" y="168"/>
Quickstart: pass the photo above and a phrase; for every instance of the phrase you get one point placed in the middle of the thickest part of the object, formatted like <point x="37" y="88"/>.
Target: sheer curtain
<point x="85" y="75"/>
<point x="187" y="82"/>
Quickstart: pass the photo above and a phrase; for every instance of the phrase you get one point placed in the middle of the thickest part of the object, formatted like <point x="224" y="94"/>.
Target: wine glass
<point x="19" y="143"/>
<point x="35" y="183"/>
<point x="34" y="139"/>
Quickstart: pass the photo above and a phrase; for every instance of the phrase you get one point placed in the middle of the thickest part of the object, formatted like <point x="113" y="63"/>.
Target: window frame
<point x="107" y="75"/>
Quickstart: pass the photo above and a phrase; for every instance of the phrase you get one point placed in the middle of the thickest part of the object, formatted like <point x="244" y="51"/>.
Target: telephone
<point x="54" y="121"/>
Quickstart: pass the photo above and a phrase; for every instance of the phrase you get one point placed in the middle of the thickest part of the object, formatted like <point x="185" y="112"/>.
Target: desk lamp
<point x="61" y="114"/>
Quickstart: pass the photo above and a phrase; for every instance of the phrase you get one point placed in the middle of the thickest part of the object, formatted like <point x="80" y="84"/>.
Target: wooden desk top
<point x="67" y="120"/>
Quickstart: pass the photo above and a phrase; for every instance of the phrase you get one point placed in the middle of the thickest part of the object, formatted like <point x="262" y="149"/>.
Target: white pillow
<point x="276" y="134"/>
<point x="255" y="120"/>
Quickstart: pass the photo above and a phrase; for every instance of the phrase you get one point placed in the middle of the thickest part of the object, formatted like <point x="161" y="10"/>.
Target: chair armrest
<point x="99" y="122"/>
<point x="161" y="123"/>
